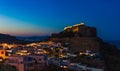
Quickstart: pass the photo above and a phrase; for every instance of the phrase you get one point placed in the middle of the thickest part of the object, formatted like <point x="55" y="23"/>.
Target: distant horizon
<point x="50" y="35"/>
<point x="24" y="36"/>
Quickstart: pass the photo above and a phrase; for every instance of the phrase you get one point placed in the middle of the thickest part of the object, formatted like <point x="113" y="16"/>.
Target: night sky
<point x="43" y="17"/>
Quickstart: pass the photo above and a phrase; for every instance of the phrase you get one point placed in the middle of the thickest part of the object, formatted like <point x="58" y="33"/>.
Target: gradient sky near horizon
<point x="43" y="17"/>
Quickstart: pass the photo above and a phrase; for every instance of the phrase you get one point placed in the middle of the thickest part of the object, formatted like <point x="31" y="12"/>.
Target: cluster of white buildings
<point x="66" y="64"/>
<point x="25" y="57"/>
<point x="33" y="57"/>
<point x="27" y="63"/>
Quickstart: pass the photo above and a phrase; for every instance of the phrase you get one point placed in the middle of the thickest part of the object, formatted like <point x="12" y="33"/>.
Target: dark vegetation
<point x="55" y="68"/>
<point x="4" y="67"/>
<point x="111" y="56"/>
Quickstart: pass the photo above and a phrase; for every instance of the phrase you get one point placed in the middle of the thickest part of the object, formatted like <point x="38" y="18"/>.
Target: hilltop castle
<point x="82" y="30"/>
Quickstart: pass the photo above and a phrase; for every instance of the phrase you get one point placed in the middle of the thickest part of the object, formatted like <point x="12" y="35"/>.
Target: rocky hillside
<point x="86" y="39"/>
<point x="80" y="44"/>
<point x="111" y="56"/>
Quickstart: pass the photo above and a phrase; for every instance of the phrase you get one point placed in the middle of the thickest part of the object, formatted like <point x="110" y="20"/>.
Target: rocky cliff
<point x="80" y="38"/>
<point x="85" y="38"/>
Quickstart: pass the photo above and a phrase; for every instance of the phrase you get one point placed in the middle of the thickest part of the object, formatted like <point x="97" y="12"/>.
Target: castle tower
<point x="76" y="27"/>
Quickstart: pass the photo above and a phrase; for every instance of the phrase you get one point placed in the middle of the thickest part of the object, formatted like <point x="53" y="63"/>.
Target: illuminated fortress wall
<point x="82" y="30"/>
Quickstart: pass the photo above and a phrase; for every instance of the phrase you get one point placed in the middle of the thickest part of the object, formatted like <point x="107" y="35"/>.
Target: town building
<point x="27" y="63"/>
<point x="2" y="53"/>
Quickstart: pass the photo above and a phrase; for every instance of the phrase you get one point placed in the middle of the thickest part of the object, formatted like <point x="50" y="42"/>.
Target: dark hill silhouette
<point x="33" y="38"/>
<point x="5" y="38"/>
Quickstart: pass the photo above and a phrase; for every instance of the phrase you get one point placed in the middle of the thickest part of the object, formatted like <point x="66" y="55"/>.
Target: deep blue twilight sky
<point x="43" y="17"/>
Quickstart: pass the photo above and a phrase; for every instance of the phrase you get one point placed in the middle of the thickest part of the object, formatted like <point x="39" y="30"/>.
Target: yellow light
<point x="68" y="27"/>
<point x="24" y="51"/>
<point x="91" y="54"/>
<point x="79" y="24"/>
<point x="9" y="54"/>
<point x="61" y="66"/>
<point x="45" y="52"/>
<point x="86" y="53"/>
<point x="1" y="60"/>
<point x="80" y="53"/>
<point x="65" y="67"/>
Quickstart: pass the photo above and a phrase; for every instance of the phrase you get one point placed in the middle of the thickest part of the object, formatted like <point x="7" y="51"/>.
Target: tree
<point x="4" y="67"/>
